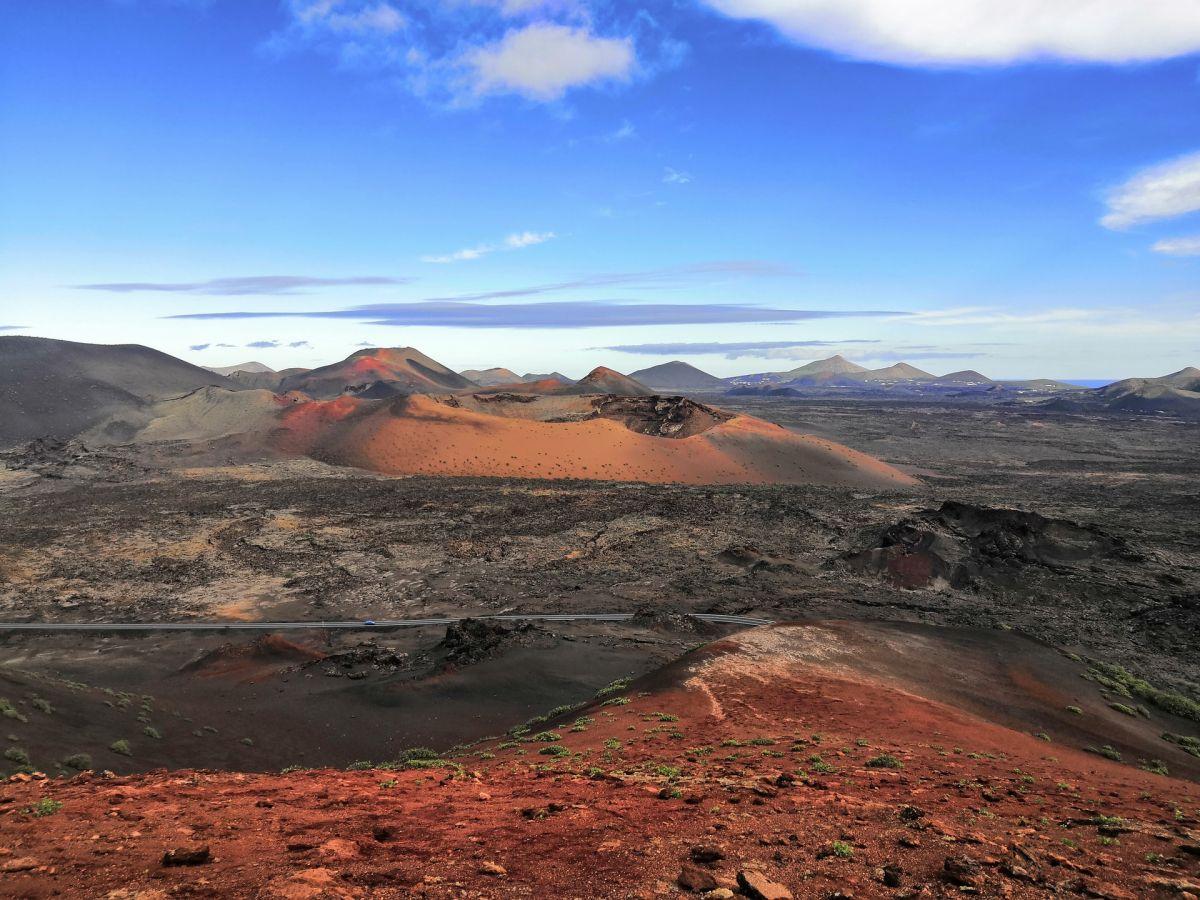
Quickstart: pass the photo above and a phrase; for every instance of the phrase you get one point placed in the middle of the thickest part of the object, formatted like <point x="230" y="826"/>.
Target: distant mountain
<point x="491" y="377"/>
<point x="61" y="389"/>
<point x="677" y="376"/>
<point x="901" y="371"/>
<point x="408" y="370"/>
<point x="1176" y="394"/>
<point x="835" y="365"/>
<point x="965" y="377"/>
<point x="547" y="376"/>
<point x="255" y="367"/>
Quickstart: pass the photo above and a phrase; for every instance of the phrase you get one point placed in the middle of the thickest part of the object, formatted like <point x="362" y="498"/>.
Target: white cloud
<point x="1162" y="191"/>
<point x="375" y="18"/>
<point x="983" y="32"/>
<point x="542" y="61"/>
<point x="528" y="239"/>
<point x="1182" y="246"/>
<point x="518" y="240"/>
<point x="674" y="176"/>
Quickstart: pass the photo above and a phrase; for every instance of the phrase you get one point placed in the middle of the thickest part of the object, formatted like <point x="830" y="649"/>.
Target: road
<point x="367" y="625"/>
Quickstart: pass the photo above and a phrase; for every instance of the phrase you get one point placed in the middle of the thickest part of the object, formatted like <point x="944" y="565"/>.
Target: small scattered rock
<point x="693" y="878"/>
<point x="494" y="869"/>
<point x="758" y="886"/>
<point x="706" y="855"/>
<point x="187" y="856"/>
<point x="893" y="875"/>
<point x="962" y="871"/>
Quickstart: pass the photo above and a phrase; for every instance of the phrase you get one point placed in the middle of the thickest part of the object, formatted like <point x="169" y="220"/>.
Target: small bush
<point x="1187" y="743"/>
<point x="44" y="807"/>
<point x="78" y="761"/>
<point x="151" y="732"/>
<point x="122" y="747"/>
<point x="1107" y="752"/>
<point x="841" y="850"/>
<point x="41" y="705"/>
<point x="884" y="761"/>
<point x="17" y="755"/>
<point x="11" y="712"/>
<point x="547" y="737"/>
<point x="555" y="750"/>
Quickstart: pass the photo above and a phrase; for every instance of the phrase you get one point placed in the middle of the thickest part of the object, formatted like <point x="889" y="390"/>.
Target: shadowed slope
<point x="60" y="389"/>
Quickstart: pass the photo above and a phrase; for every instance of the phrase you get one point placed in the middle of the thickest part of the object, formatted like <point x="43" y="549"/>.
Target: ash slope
<point x="791" y="761"/>
<point x="59" y="389"/>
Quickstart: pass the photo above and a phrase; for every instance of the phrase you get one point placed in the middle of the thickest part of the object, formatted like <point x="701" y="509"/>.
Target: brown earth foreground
<point x="791" y="761"/>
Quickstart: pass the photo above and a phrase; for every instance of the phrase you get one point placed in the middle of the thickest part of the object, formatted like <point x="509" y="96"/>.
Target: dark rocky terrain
<point x="1080" y="531"/>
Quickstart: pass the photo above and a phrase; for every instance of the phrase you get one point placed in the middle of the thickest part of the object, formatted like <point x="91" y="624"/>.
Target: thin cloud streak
<point x="556" y="315"/>
<point x="728" y="349"/>
<point x="242" y="286"/>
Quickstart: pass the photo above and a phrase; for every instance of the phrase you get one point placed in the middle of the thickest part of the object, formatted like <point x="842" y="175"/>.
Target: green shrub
<point x="17" y="755"/>
<point x="11" y="712"/>
<point x="44" y="807"/>
<point x="151" y="732"/>
<point x="41" y="705"/>
<point x="122" y="747"/>
<point x="884" y="761"/>
<point x="78" y="761"/>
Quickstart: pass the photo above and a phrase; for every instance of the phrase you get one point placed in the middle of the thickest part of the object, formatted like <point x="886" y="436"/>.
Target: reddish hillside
<point x="785" y="762"/>
<point x="431" y="436"/>
<point x="408" y="369"/>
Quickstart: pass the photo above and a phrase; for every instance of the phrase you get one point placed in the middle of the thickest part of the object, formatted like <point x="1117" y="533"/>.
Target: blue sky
<point x="555" y="184"/>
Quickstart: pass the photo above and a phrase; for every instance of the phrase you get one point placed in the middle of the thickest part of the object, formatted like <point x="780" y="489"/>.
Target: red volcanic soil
<point x="773" y="762"/>
<point x="423" y="435"/>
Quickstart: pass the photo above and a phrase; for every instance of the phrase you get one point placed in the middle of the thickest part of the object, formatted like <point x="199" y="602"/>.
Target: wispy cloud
<point x="1161" y="191"/>
<point x="243" y="286"/>
<point x="728" y="349"/>
<point x="515" y="241"/>
<point x="460" y="52"/>
<point x="674" y="176"/>
<point x="982" y="32"/>
<point x="457" y="314"/>
<point x="1180" y="246"/>
<point x="13" y="327"/>
<point x="624" y="132"/>
<point x="984" y="315"/>
<point x="199" y="347"/>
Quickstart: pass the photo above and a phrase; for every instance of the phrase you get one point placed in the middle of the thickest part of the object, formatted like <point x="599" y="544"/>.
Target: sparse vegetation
<point x="44" y="807"/>
<point x="884" y="761"/>
<point x="1119" y="681"/>
<point x="1107" y="752"/>
<point x="122" y="747"/>
<point x="1187" y="743"/>
<point x="77" y="761"/>
<point x="42" y="705"/>
<point x="17" y="755"/>
<point x="151" y="732"/>
<point x="11" y="712"/>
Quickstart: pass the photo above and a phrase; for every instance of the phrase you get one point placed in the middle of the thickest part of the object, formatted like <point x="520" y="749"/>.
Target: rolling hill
<point x="678" y="376"/>
<point x="406" y="369"/>
<point x="61" y="389"/>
